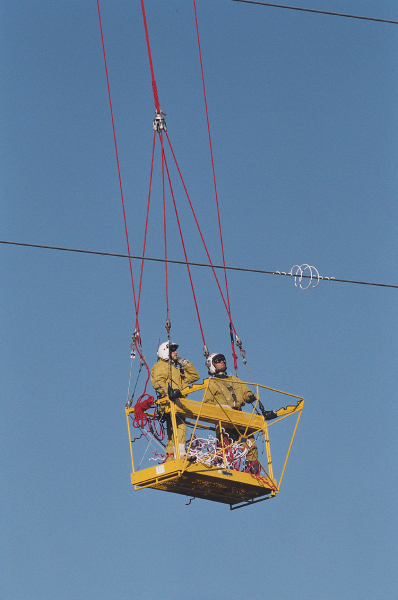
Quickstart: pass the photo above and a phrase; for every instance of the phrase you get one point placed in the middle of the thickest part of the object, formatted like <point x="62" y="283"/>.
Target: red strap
<point x="117" y="160"/>
<point x="212" y="162"/>
<point x="183" y="244"/>
<point x="164" y="229"/>
<point x="154" y="86"/>
<point x="146" y="229"/>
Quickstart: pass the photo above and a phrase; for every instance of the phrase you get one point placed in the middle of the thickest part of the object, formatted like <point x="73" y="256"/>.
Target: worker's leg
<point x="252" y="455"/>
<point x="181" y="438"/>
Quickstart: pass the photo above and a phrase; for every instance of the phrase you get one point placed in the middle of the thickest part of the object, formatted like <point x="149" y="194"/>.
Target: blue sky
<point x="303" y="116"/>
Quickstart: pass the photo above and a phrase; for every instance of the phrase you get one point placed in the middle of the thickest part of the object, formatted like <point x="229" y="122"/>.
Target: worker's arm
<point x="160" y="377"/>
<point x="191" y="375"/>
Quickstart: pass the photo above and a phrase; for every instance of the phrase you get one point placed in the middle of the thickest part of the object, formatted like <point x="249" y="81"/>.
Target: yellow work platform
<point x="208" y="481"/>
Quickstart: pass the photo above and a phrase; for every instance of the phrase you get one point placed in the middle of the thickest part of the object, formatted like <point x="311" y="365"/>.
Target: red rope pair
<point x="137" y="340"/>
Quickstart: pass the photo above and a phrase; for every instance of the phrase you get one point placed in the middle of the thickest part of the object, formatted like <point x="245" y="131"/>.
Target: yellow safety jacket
<point x="227" y="391"/>
<point x="179" y="378"/>
<point x="230" y="391"/>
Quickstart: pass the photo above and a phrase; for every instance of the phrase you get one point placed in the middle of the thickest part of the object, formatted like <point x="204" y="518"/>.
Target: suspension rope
<point x="117" y="159"/>
<point x="164" y="165"/>
<point x="146" y="228"/>
<point x="165" y="234"/>
<point x="198" y="226"/>
<point x="128" y="389"/>
<point x="184" y="249"/>
<point x="154" y="86"/>
<point x="231" y="325"/>
<point x="136" y="336"/>
<point x="212" y="162"/>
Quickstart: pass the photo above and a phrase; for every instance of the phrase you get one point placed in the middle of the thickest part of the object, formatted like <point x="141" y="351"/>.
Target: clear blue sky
<point x="303" y="115"/>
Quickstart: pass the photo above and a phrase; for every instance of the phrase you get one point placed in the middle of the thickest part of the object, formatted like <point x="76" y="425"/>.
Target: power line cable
<point x="313" y="10"/>
<point x="195" y="264"/>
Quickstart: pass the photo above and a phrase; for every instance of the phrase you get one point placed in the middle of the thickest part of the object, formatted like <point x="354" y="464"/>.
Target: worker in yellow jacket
<point x="169" y="376"/>
<point x="229" y="391"/>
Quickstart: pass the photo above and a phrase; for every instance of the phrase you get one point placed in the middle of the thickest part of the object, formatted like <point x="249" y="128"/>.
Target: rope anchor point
<point x="159" y="123"/>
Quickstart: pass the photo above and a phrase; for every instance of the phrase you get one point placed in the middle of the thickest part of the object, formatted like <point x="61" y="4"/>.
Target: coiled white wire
<point x="207" y="451"/>
<point x="298" y="275"/>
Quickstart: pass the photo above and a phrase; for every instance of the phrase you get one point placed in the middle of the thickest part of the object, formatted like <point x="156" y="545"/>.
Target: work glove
<point x="269" y="415"/>
<point x="252" y="398"/>
<point x="252" y="467"/>
<point x="173" y="394"/>
<point x="182" y="361"/>
<point x="160" y="414"/>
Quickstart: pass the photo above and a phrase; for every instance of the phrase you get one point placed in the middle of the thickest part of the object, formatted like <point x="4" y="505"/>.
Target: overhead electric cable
<point x="313" y="10"/>
<point x="194" y="264"/>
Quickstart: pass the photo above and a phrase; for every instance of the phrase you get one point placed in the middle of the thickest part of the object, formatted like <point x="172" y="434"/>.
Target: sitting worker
<point x="169" y="376"/>
<point x="229" y="391"/>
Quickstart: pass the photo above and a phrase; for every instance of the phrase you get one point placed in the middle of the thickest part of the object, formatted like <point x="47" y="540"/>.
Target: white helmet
<point x="163" y="350"/>
<point x="210" y="362"/>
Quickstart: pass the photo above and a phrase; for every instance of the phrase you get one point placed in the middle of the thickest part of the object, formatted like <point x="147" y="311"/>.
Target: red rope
<point x="137" y="344"/>
<point x="164" y="164"/>
<point x="144" y="402"/>
<point x="212" y="161"/>
<point x="146" y="227"/>
<point x="164" y="228"/>
<point x="183" y="246"/>
<point x="137" y="340"/>
<point x="117" y="159"/>
<point x="231" y="325"/>
<point x="154" y="86"/>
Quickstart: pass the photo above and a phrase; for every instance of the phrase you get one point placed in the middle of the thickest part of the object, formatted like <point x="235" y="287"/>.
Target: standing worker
<point x="229" y="391"/>
<point x="169" y="376"/>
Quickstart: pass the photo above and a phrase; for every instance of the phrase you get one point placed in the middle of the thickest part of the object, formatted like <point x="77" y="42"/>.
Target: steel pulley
<point x="159" y="123"/>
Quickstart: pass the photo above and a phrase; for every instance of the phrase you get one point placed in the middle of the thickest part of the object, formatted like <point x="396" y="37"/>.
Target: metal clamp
<point x="168" y="327"/>
<point x="159" y="123"/>
<point x="241" y="350"/>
